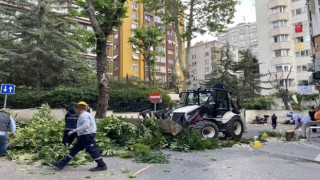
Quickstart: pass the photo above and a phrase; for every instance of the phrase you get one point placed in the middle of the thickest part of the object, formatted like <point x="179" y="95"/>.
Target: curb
<point x="289" y="156"/>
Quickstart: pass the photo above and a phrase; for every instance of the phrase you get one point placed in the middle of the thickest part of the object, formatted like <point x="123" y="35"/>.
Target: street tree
<point x="199" y="16"/>
<point x="38" y="46"/>
<point x="104" y="16"/>
<point x="223" y="71"/>
<point x="146" y="40"/>
<point x="280" y="82"/>
<point x="249" y="80"/>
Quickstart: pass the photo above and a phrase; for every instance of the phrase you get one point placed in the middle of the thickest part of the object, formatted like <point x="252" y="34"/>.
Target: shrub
<point x="125" y="99"/>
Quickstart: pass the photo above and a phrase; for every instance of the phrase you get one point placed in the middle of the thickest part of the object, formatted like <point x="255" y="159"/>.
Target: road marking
<point x="140" y="171"/>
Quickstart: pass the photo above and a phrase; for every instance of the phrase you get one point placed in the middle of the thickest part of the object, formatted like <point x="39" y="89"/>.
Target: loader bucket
<point x="169" y="126"/>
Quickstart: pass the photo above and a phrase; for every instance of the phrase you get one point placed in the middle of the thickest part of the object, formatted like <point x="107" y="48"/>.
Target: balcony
<point x="278" y="16"/>
<point x="281" y="45"/>
<point x="280" y="30"/>
<point x="284" y="75"/>
<point x="282" y="60"/>
<point x="275" y="3"/>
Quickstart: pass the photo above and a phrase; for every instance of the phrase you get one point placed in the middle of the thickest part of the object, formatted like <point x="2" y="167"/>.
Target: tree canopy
<point x="40" y="47"/>
<point x="146" y="40"/>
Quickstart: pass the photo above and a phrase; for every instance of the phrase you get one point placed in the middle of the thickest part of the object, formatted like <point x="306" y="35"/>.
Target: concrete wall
<point x="26" y="114"/>
<point x="281" y="114"/>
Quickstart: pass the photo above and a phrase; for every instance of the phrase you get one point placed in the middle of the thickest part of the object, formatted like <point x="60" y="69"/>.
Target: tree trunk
<point x="40" y="16"/>
<point x="102" y="65"/>
<point x="189" y="37"/>
<point x="150" y="72"/>
<point x="103" y="79"/>
<point x="179" y="39"/>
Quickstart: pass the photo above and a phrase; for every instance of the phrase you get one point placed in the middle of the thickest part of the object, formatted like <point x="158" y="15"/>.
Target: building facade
<point x="129" y="63"/>
<point x="314" y="10"/>
<point x="284" y="45"/>
<point x="243" y="35"/>
<point x="202" y="57"/>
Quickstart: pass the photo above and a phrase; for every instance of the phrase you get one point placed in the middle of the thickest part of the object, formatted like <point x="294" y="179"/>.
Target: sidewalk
<point x="295" y="149"/>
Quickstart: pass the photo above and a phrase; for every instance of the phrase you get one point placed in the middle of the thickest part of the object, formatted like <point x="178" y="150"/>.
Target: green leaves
<point x="147" y="40"/>
<point x="31" y="45"/>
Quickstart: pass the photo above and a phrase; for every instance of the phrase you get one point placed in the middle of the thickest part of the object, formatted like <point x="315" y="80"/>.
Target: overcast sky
<point x="245" y="12"/>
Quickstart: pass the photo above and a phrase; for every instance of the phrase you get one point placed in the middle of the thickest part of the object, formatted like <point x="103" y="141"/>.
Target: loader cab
<point x="216" y="102"/>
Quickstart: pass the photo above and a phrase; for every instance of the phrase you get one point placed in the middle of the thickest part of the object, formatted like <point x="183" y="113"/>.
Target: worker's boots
<point x="60" y="165"/>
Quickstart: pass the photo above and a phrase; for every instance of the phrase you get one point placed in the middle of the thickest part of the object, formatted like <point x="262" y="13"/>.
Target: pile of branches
<point x="39" y="140"/>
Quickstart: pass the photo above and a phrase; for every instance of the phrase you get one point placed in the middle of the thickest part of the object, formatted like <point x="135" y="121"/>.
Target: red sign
<point x="155" y="97"/>
<point x="299" y="28"/>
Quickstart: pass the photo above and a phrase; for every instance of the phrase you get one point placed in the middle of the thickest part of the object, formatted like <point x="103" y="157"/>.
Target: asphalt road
<point x="239" y="162"/>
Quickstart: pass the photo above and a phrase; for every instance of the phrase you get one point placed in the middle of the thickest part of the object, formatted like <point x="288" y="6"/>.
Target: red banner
<point x="299" y="28"/>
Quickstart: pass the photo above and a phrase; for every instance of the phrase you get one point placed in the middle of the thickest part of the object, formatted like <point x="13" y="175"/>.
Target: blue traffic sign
<point x="7" y="88"/>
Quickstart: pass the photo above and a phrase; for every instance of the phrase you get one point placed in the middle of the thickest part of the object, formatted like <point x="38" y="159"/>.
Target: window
<point x="206" y="54"/>
<point x="170" y="51"/>
<point x="134" y="16"/>
<point x="206" y="69"/>
<point x="134" y="67"/>
<point x="302" y="68"/>
<point x="284" y="82"/>
<point x="280" y="23"/>
<point x="170" y="42"/>
<point x="135" y="57"/>
<point x="281" y="38"/>
<point x="283" y="68"/>
<point x="160" y="49"/>
<point x="299" y="11"/>
<point x="148" y="18"/>
<point x="160" y="69"/>
<point x="116" y="36"/>
<point x="298" y="39"/>
<point x="159" y="20"/>
<point x="206" y="61"/>
<point x="134" y="6"/>
<point x="171" y="61"/>
<point x="170" y="33"/>
<point x="161" y="78"/>
<point x="278" y="9"/>
<point x="194" y="56"/>
<point x="303" y="53"/>
<point x="161" y="59"/>
<point x="134" y="26"/>
<point x="281" y="53"/>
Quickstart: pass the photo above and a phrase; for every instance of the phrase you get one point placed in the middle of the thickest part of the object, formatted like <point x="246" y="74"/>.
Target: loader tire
<point x="207" y="129"/>
<point x="234" y="128"/>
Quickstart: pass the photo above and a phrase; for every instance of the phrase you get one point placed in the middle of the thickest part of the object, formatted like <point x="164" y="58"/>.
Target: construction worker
<point x="71" y="120"/>
<point x="6" y="122"/>
<point x="301" y="122"/>
<point x="86" y="131"/>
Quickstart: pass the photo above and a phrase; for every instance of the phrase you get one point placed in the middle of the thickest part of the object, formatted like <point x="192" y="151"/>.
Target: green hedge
<point x="260" y="103"/>
<point x="124" y="99"/>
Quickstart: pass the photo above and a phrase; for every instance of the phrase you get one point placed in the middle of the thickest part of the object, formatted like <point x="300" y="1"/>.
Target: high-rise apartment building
<point x="284" y="44"/>
<point x="202" y="56"/>
<point x="243" y="35"/>
<point x="128" y="62"/>
<point x="314" y="10"/>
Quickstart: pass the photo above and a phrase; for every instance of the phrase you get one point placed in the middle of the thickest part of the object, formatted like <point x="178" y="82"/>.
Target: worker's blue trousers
<point x="88" y="143"/>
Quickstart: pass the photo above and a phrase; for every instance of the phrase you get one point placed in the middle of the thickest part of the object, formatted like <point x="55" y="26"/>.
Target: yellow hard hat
<point x="83" y="103"/>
